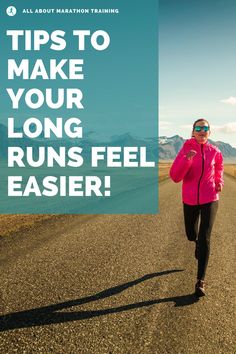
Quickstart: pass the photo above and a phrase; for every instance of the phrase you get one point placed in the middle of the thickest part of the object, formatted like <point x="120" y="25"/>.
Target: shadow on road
<point x="47" y="314"/>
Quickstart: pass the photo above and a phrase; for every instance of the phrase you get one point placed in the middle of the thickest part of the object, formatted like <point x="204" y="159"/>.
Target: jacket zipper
<point x="198" y="189"/>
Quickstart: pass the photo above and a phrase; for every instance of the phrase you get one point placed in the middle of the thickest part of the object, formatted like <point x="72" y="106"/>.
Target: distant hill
<point x="169" y="147"/>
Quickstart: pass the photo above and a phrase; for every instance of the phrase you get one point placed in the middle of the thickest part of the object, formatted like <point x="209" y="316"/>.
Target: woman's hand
<point x="218" y="187"/>
<point x="191" y="154"/>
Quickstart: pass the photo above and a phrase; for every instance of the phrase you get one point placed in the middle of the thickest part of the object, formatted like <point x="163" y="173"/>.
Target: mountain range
<point x="168" y="147"/>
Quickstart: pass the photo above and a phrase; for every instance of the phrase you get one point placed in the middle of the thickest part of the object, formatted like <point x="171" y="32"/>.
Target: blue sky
<point x="197" y="67"/>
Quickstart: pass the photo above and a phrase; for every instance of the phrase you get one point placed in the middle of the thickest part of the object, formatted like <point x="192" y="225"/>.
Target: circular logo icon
<point x="11" y="11"/>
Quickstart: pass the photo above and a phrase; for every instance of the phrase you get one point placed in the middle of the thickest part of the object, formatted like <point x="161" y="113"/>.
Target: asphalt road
<point x="118" y="284"/>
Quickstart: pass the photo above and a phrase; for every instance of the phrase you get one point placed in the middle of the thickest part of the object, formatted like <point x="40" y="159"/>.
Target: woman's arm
<point x="219" y="169"/>
<point x="181" y="165"/>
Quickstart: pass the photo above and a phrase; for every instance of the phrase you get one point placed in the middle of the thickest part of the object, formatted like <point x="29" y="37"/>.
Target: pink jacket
<point x="200" y="175"/>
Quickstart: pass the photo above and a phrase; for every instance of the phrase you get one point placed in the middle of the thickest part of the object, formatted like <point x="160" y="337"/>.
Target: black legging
<point x="202" y="232"/>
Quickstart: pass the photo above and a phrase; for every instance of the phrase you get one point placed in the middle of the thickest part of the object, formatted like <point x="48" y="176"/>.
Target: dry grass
<point x="163" y="170"/>
<point x="16" y="222"/>
<point x="230" y="169"/>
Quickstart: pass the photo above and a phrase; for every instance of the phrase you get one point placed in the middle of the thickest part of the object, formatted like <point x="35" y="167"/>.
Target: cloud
<point x="228" y="128"/>
<point x="230" y="100"/>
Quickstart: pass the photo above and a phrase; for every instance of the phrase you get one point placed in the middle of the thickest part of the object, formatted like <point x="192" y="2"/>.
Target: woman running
<point x="200" y="166"/>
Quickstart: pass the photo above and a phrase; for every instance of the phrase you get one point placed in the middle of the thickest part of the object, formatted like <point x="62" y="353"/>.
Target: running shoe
<point x="200" y="288"/>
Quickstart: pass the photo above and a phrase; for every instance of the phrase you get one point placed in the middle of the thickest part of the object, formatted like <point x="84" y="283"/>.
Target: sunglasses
<point x="205" y="128"/>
